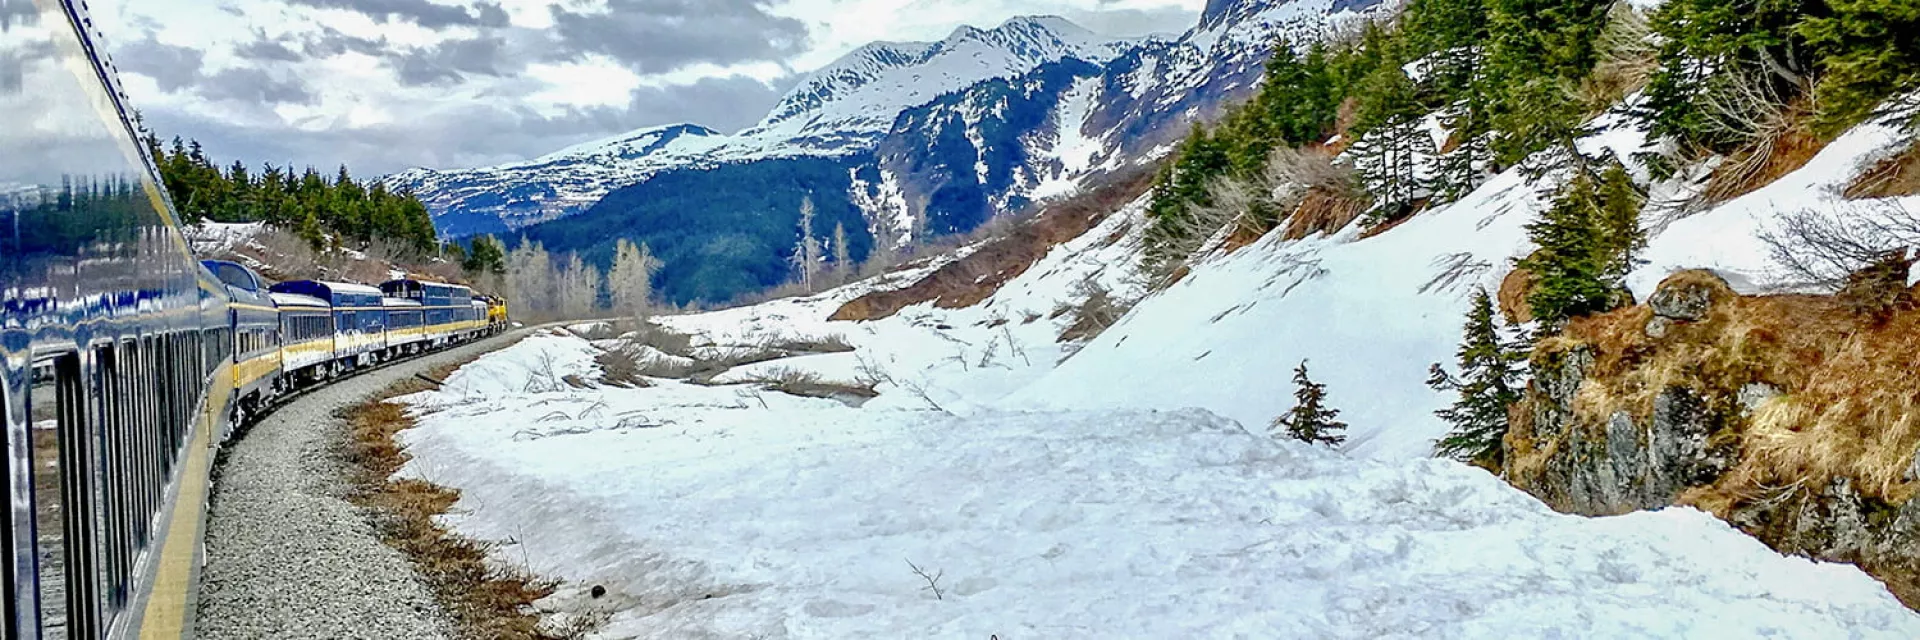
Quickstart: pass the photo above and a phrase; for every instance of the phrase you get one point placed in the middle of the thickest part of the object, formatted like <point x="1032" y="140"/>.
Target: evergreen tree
<point x="1587" y="240"/>
<point x="1618" y="222"/>
<point x="486" y="257"/>
<point x="1537" y="51"/>
<point x="1708" y="48"/>
<point x="1391" y="148"/>
<point x="1184" y="184"/>
<point x="310" y="206"/>
<point x="1311" y="421"/>
<point x="1869" y="49"/>
<point x="1490" y="381"/>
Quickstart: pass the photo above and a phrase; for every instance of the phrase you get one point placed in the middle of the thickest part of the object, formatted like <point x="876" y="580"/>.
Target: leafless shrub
<point x="577" y="625"/>
<point x="659" y="337"/>
<point x="1296" y="169"/>
<point x="621" y="368"/>
<point x="280" y="255"/>
<point x="1766" y="117"/>
<point x="1820" y="249"/>
<point x="1096" y="310"/>
<point x="933" y="579"/>
<point x="871" y="373"/>
<point x="807" y="384"/>
<point x="831" y="343"/>
<point x="1628" y="55"/>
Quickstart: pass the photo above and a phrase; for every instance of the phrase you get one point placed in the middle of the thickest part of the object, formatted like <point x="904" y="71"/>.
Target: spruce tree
<point x="1618" y="222"/>
<point x="1869" y="49"/>
<point x="1310" y="420"/>
<point x="1489" y="383"/>
<point x="1536" y="51"/>
<point x="1587" y="242"/>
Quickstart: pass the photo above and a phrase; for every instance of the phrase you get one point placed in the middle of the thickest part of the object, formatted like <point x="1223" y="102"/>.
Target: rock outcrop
<point x="1747" y="407"/>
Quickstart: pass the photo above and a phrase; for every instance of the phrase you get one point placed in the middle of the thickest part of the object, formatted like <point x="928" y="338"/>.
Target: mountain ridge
<point x="1051" y="110"/>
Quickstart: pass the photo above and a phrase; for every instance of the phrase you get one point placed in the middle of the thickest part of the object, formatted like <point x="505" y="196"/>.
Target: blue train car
<point x="306" y="337"/>
<point x="448" y="309"/>
<point x="116" y="351"/>
<point x="124" y="361"/>
<point x="255" y="323"/>
<point x="359" y="318"/>
<point x="406" y="326"/>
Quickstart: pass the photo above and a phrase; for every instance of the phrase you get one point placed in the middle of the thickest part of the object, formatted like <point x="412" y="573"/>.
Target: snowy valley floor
<point x="732" y="512"/>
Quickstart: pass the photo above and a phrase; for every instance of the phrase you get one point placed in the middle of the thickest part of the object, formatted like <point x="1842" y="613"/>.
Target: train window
<point x="65" y="483"/>
<point x="116" y="407"/>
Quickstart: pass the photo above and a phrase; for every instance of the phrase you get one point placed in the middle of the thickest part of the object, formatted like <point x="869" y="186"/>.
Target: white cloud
<point x="387" y="84"/>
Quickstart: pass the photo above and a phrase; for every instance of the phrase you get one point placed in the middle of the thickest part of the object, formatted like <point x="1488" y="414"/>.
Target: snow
<point x="1072" y="148"/>
<point x="713" y="512"/>
<point x="209" y="238"/>
<point x="1727" y="237"/>
<point x="845" y="109"/>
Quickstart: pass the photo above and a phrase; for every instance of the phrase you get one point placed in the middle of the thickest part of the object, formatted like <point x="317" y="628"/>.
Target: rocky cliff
<point x="1790" y="416"/>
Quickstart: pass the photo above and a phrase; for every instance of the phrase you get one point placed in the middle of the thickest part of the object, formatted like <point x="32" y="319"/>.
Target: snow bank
<point x="709" y="513"/>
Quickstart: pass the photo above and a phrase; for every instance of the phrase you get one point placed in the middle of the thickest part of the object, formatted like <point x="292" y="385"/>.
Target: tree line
<point x="1507" y="79"/>
<point x="540" y="285"/>
<point x="324" y="210"/>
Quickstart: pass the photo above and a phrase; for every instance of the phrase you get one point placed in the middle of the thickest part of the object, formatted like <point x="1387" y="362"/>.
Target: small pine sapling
<point x="1489" y="382"/>
<point x="1311" y="421"/>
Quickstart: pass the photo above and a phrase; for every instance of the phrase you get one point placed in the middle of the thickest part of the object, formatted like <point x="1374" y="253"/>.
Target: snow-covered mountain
<point x="892" y="140"/>
<point x="842" y="108"/>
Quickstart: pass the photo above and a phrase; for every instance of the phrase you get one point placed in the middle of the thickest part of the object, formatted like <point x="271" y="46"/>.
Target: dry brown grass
<point x="1769" y="157"/>
<point x="1323" y="210"/>
<point x="1848" y="408"/>
<point x="487" y="600"/>
<point x="1515" y="290"/>
<point x="1894" y="177"/>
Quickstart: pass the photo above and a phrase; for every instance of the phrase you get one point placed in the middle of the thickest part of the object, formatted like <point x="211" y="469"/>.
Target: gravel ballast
<point x="287" y="556"/>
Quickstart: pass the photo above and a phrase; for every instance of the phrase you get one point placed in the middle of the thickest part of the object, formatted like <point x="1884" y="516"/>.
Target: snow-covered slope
<point x="1129" y="97"/>
<point x="1369" y="315"/>
<point x="704" y="512"/>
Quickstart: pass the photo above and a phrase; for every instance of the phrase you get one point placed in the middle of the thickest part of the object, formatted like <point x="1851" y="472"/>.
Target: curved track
<point x="286" y="555"/>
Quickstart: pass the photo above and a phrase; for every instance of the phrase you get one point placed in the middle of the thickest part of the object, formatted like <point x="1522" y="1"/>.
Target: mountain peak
<point x="894" y="75"/>
<point x="632" y="143"/>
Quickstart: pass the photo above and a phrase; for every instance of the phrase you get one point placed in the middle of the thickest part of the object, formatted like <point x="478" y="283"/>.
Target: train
<point x="126" y="362"/>
<point x="296" y="334"/>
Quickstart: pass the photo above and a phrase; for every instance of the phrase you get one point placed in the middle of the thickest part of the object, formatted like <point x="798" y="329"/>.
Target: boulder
<point x="1687" y="296"/>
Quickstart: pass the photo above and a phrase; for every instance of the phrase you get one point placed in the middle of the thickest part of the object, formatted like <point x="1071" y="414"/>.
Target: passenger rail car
<point x="125" y="362"/>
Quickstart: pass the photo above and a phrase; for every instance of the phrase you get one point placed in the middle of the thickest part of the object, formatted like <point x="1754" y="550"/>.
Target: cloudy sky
<point x="383" y="85"/>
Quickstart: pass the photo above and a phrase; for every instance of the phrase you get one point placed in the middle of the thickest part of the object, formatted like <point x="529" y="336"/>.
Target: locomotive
<point x="125" y="362"/>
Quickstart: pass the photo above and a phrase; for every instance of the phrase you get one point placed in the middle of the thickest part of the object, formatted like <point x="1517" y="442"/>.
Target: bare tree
<point x="1820" y="249"/>
<point x="630" y="280"/>
<point x="842" y="255"/>
<point x="806" y="253"/>
<point x="531" y="280"/>
<point x="579" y="288"/>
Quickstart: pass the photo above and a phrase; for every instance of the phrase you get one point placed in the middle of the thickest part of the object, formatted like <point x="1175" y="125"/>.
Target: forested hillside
<point x="1427" y="105"/>
<point x="322" y="210"/>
